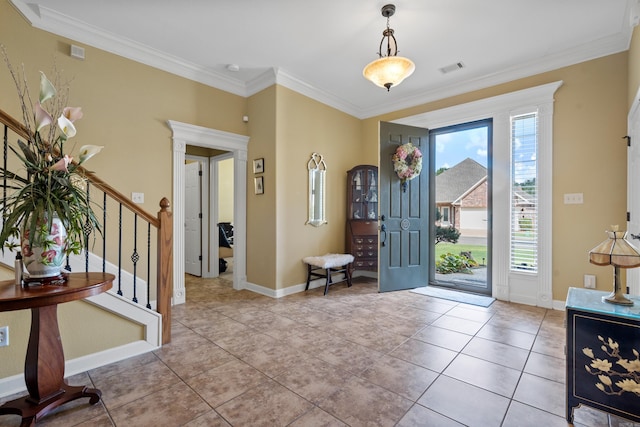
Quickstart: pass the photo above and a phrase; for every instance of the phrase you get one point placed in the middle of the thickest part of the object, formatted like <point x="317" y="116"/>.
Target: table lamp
<point x="616" y="251"/>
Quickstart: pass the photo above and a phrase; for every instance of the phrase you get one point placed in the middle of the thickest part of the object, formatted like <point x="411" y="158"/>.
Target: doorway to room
<point x="461" y="189"/>
<point x="209" y="197"/>
<point x="186" y="134"/>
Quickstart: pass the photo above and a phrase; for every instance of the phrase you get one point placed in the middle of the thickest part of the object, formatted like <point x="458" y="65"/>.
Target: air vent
<point x="77" y="52"/>
<point x="452" y="67"/>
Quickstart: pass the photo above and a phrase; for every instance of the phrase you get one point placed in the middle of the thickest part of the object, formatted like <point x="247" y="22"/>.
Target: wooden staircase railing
<point x="162" y="223"/>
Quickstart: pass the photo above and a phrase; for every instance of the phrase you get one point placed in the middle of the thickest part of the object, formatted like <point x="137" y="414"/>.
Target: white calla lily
<point x="67" y="127"/>
<point x="47" y="90"/>
<point x="88" y="151"/>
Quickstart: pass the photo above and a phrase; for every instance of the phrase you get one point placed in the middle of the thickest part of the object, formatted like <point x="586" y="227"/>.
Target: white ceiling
<point x="319" y="48"/>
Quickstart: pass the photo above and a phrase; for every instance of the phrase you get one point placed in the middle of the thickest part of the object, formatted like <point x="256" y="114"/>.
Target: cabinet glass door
<point x="358" y="183"/>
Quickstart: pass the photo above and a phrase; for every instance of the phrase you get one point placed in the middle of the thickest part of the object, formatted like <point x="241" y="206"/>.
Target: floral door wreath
<point x="407" y="163"/>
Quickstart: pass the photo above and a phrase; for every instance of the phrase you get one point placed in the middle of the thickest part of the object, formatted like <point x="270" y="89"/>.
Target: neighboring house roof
<point x="458" y="180"/>
<point x="522" y="198"/>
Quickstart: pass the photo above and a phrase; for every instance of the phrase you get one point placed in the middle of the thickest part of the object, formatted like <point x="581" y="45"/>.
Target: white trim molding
<point x="186" y="134"/>
<point x="525" y="288"/>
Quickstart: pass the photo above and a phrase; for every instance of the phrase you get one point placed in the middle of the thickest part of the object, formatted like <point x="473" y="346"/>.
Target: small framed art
<point x="259" y="184"/>
<point x="258" y="165"/>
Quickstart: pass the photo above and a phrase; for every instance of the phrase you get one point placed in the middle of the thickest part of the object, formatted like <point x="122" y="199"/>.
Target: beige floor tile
<point x="550" y="345"/>
<point x="361" y="403"/>
<point x="446" y="338"/>
<point x="484" y="374"/>
<point x="541" y="393"/>
<point x="317" y="418"/>
<point x="353" y="357"/>
<point x="420" y="416"/>
<point x="268" y="404"/>
<point x="313" y="379"/>
<point x="272" y="358"/>
<point x="349" y="356"/>
<point x="548" y="367"/>
<point x="507" y="336"/>
<point x="468" y="313"/>
<point x="469" y="327"/>
<point x="526" y="416"/>
<point x="502" y="354"/>
<point x="209" y="419"/>
<point x="219" y="385"/>
<point x="118" y="390"/>
<point x="198" y="359"/>
<point x="465" y="403"/>
<point x="426" y="355"/>
<point x="404" y="378"/>
<point x="172" y="406"/>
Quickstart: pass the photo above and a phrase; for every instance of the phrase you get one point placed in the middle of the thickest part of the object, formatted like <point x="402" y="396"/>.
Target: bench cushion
<point x="329" y="260"/>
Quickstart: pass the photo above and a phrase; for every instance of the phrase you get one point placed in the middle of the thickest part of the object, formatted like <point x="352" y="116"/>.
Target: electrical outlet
<point x="589" y="281"/>
<point x="4" y="336"/>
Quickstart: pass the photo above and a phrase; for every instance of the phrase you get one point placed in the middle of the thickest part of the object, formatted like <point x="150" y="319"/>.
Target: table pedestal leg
<point x="44" y="371"/>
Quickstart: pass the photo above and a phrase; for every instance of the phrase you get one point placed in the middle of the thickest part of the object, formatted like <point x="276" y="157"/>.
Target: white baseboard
<point x="16" y="384"/>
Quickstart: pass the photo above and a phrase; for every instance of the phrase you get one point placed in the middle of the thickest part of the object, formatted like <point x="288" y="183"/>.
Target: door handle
<point x="635" y="236"/>
<point x="383" y="237"/>
<point x="383" y="218"/>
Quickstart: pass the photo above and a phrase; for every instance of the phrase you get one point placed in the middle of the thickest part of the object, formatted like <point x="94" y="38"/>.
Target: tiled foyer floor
<point x="354" y="357"/>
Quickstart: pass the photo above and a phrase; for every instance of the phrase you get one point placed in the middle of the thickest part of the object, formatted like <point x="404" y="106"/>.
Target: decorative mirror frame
<point x="317" y="176"/>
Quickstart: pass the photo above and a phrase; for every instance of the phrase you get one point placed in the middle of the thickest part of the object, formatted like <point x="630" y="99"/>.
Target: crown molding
<point x="56" y="23"/>
<point x="49" y="20"/>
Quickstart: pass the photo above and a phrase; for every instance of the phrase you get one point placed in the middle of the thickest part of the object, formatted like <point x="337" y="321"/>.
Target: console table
<point x="603" y="348"/>
<point x="44" y="364"/>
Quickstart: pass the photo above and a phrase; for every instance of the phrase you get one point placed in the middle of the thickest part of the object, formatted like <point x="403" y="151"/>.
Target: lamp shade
<point x="389" y="71"/>
<point x="616" y="251"/>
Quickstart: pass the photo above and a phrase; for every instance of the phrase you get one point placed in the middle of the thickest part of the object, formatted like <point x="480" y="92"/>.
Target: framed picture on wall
<point x="259" y="185"/>
<point x="258" y="166"/>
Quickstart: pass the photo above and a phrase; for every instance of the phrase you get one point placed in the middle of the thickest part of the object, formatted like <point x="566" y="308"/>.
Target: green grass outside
<point x="477" y="251"/>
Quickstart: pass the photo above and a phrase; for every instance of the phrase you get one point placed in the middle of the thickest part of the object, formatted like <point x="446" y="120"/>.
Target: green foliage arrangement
<point x="450" y="263"/>
<point x="49" y="182"/>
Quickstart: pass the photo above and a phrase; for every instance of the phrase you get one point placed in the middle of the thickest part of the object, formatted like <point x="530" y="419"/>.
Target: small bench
<point x="326" y="265"/>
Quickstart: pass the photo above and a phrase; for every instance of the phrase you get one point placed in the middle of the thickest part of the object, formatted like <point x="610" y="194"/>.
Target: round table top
<point x="77" y="286"/>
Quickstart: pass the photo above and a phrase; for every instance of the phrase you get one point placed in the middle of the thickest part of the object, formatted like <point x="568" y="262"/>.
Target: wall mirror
<point x="317" y="173"/>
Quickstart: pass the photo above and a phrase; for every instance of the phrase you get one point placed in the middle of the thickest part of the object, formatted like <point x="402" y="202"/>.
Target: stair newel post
<point x="165" y="268"/>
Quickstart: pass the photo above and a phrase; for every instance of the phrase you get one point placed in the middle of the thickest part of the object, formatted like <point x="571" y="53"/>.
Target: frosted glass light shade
<point x="389" y="71"/>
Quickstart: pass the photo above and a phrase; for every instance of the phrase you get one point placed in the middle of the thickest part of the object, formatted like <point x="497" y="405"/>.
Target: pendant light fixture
<point x="390" y="69"/>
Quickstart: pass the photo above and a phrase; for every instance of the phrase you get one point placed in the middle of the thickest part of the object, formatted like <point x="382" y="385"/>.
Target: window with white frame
<point x="524" y="193"/>
<point x="445" y="215"/>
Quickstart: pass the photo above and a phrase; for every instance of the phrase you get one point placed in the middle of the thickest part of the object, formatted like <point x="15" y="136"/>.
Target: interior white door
<point x="192" y="220"/>
<point x="633" y="191"/>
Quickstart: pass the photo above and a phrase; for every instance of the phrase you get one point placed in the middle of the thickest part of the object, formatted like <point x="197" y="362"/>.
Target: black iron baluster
<point x="87" y="231"/>
<point x="148" y="265"/>
<point x="135" y="257"/>
<point x="120" y="251"/>
<point x="4" y="178"/>
<point x="104" y="232"/>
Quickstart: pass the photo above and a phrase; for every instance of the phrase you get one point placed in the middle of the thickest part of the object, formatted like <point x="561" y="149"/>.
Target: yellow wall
<point x="126" y="106"/>
<point x="305" y="126"/>
<point x="261" y="208"/>
<point x="634" y="66"/>
<point x="590" y="113"/>
<point x="225" y="190"/>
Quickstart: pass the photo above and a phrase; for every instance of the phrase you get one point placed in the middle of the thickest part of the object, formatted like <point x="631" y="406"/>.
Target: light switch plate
<point x="573" y="199"/>
<point x="137" y="197"/>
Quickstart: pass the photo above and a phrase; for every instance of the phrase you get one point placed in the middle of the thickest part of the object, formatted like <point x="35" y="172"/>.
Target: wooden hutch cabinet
<point x="362" y="217"/>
